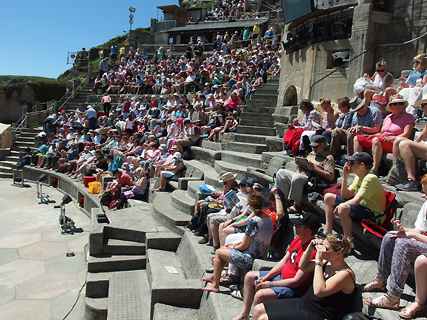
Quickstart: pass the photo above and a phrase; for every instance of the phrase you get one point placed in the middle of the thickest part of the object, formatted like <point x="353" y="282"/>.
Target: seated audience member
<point x="417" y="76"/>
<point x="398" y="124"/>
<point x="293" y="134"/>
<point x="191" y="134"/>
<point x="382" y="79"/>
<point x="333" y="289"/>
<point x="399" y="249"/>
<point x="365" y="120"/>
<point x="332" y="119"/>
<point x="285" y="279"/>
<point x="214" y="219"/>
<point x="203" y="208"/>
<point x="328" y="118"/>
<point x="344" y="118"/>
<point x="112" y="166"/>
<point x="136" y="191"/>
<point x="255" y="244"/>
<point x="409" y="151"/>
<point x="369" y="200"/>
<point x="416" y="308"/>
<point x="171" y="172"/>
<point x="318" y="162"/>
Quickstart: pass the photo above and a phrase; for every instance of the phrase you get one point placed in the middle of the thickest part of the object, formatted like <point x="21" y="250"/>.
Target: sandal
<point x="227" y="280"/>
<point x="237" y="294"/>
<point x="408" y="313"/>
<point x="295" y="209"/>
<point x="385" y="301"/>
<point x="378" y="285"/>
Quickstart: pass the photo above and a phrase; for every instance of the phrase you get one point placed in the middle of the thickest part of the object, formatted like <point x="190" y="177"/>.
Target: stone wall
<point x="12" y="104"/>
<point x="138" y="37"/>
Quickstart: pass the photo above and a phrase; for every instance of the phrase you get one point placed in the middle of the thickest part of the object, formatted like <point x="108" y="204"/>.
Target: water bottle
<point x="257" y="281"/>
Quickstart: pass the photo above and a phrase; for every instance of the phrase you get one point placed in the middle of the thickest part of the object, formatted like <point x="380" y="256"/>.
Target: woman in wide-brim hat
<point x="398" y="124"/>
<point x="410" y="150"/>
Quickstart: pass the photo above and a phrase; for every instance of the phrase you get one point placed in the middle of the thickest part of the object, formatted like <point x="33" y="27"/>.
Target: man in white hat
<point x="203" y="208"/>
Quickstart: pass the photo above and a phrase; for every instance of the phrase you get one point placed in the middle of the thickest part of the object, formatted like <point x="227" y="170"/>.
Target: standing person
<point x="106" y="103"/>
<point x="369" y="201"/>
<point x="285" y="279"/>
<point x="91" y="116"/>
<point x="103" y="66"/>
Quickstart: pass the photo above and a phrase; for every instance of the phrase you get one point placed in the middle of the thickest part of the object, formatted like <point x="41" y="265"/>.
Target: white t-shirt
<point x="172" y="127"/>
<point x="421" y="222"/>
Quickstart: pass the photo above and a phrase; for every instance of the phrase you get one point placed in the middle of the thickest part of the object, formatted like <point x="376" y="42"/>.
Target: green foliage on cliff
<point x="9" y="79"/>
<point x="44" y="90"/>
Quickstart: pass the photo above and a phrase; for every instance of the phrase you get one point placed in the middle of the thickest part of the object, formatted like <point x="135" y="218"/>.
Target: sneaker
<point x="203" y="240"/>
<point x="209" y="243"/>
<point x="411" y="185"/>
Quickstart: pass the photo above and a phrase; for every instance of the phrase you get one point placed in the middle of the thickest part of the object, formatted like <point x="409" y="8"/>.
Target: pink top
<point x="105" y="99"/>
<point x="232" y="104"/>
<point x="394" y="127"/>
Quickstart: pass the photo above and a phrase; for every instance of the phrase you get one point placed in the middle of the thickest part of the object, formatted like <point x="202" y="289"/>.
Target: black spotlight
<point x="66" y="199"/>
<point x="19" y="165"/>
<point x="42" y="178"/>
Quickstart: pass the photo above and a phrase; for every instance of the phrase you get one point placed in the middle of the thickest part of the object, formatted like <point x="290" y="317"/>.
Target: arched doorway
<point x="290" y="98"/>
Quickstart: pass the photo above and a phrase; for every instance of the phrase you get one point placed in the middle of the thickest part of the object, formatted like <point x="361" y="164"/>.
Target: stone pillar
<point x="362" y="38"/>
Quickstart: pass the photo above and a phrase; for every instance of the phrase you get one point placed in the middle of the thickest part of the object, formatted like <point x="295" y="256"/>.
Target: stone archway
<point x="291" y="97"/>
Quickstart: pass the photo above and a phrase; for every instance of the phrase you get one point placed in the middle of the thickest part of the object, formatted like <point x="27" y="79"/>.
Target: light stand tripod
<point x="41" y="197"/>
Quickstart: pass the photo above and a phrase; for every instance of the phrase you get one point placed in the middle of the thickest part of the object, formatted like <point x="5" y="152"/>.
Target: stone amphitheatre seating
<point x="131" y="258"/>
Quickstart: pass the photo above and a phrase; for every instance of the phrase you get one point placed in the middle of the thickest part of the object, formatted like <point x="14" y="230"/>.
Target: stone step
<point x="223" y="166"/>
<point x="12" y="158"/>
<point x="247" y="147"/>
<point x="168" y="215"/>
<point x="24" y="144"/>
<point x="252" y="115"/>
<point x="267" y="131"/>
<point x="32" y="130"/>
<point x="205" y="155"/>
<point x="96" y="308"/>
<point x="210" y="176"/>
<point x="193" y="189"/>
<point x="124" y="247"/>
<point x="116" y="263"/>
<point x="167" y="312"/>
<point x="6" y="170"/>
<point x="250" y="160"/>
<point x="257" y="108"/>
<point x="249" y="138"/>
<point x="260" y="103"/>
<point x="271" y="89"/>
<point x="182" y="201"/>
<point x="264" y="97"/>
<point x="124" y="234"/>
<point x="97" y="284"/>
<point x="171" y="288"/>
<point x="4" y="175"/>
<point x="8" y="163"/>
<point x="129" y="297"/>
<point x="28" y="138"/>
<point x="254" y="122"/>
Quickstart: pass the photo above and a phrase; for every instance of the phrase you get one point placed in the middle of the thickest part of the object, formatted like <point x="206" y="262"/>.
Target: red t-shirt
<point x="273" y="216"/>
<point x="296" y="251"/>
<point x="124" y="180"/>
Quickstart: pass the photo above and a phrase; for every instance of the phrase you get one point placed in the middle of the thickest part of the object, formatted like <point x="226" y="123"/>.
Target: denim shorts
<point x="358" y="212"/>
<point x="282" y="292"/>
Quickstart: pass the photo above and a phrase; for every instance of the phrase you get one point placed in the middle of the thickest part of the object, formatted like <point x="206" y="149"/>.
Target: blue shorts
<point x="356" y="212"/>
<point x="282" y="292"/>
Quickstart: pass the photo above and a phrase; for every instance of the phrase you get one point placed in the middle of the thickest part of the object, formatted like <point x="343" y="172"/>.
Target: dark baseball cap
<point x="318" y="140"/>
<point x="307" y="219"/>
<point x="361" y="157"/>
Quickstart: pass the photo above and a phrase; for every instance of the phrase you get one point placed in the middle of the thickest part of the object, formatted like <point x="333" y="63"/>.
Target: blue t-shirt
<point x="414" y="76"/>
<point x="112" y="166"/>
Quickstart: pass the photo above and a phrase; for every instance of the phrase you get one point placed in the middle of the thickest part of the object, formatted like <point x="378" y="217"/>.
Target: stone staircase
<point x="256" y="121"/>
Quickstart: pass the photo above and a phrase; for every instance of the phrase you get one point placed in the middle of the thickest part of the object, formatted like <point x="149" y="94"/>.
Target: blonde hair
<point x="343" y="245"/>
<point x="424" y="180"/>
<point x="139" y="170"/>
<point x="324" y="100"/>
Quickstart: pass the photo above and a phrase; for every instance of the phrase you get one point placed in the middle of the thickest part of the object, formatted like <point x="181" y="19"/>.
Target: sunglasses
<point x="416" y="61"/>
<point x="380" y="70"/>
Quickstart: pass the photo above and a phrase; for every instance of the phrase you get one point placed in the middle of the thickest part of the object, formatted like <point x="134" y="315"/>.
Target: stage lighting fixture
<point x="66" y="223"/>
<point x="66" y="199"/>
<point x="41" y="197"/>
<point x="19" y="165"/>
